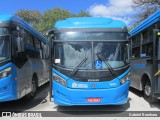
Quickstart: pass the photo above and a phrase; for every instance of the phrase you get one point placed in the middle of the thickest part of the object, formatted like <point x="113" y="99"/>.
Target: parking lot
<point x="41" y="102"/>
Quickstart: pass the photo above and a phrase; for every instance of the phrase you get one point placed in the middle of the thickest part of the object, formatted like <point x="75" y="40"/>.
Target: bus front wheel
<point x="148" y="92"/>
<point x="33" y="88"/>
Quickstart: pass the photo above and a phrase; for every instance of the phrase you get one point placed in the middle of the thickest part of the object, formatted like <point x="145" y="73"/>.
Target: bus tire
<point x="33" y="92"/>
<point x="148" y="92"/>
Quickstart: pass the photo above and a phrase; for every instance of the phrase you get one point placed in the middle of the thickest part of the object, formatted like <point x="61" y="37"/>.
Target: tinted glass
<point x="91" y="36"/>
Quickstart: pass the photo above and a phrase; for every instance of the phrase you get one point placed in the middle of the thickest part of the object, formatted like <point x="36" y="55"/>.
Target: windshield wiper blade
<point x="106" y="62"/>
<point x="78" y="66"/>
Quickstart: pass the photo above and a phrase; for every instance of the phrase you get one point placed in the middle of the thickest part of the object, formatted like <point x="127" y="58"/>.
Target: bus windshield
<point x="71" y="53"/>
<point x="4" y="44"/>
<point x="91" y="36"/>
<point x="4" y="31"/>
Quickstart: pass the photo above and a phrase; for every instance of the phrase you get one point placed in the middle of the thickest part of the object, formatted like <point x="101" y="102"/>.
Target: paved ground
<point x="41" y="102"/>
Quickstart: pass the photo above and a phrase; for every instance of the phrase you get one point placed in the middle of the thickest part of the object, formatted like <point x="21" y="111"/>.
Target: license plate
<point x="93" y="99"/>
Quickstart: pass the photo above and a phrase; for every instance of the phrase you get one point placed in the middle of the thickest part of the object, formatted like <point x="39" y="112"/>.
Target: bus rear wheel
<point x="148" y="92"/>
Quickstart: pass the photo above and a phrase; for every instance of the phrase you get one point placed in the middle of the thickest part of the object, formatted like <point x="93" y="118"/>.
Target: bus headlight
<point x="6" y="72"/>
<point x="59" y="80"/>
<point x="125" y="79"/>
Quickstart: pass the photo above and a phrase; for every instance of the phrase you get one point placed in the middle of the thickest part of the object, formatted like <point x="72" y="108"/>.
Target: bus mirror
<point x="19" y="44"/>
<point x="49" y="32"/>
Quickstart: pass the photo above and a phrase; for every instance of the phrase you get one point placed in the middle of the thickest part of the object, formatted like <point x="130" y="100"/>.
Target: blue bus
<point x="145" y="60"/>
<point x="90" y="62"/>
<point x="24" y="56"/>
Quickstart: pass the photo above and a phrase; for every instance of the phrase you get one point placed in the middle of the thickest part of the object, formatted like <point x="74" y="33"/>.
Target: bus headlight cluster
<point x="6" y="72"/>
<point x="59" y="80"/>
<point x="125" y="79"/>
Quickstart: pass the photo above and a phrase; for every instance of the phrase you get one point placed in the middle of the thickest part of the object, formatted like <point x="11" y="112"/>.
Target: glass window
<point x="116" y="54"/>
<point x="4" y="31"/>
<point x="145" y="36"/>
<point x="136" y="52"/>
<point x="136" y="40"/>
<point x="71" y="54"/>
<point x="158" y="24"/>
<point x="147" y="50"/>
<point x="28" y="39"/>
<point x="4" y="47"/>
<point x="37" y="43"/>
<point x="150" y="33"/>
<point x="92" y="36"/>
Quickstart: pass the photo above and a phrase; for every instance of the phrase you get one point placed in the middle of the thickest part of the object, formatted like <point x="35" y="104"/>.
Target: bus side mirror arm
<point x="19" y="44"/>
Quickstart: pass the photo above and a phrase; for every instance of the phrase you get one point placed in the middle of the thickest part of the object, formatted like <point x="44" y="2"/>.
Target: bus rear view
<point x="90" y="59"/>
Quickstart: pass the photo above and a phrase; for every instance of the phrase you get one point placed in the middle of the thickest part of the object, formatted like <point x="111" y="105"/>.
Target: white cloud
<point x="118" y="9"/>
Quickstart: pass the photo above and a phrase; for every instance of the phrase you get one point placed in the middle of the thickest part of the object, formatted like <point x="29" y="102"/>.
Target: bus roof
<point x="8" y="18"/>
<point x="155" y="17"/>
<point x="89" y="22"/>
<point x="5" y="17"/>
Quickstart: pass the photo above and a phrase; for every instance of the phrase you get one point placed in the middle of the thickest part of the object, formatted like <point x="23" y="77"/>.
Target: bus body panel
<point x="139" y="68"/>
<point x="8" y="85"/>
<point x="157" y="71"/>
<point x="109" y="94"/>
<point x="68" y="97"/>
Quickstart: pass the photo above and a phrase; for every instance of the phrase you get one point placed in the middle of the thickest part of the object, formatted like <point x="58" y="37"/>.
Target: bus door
<point x="156" y="71"/>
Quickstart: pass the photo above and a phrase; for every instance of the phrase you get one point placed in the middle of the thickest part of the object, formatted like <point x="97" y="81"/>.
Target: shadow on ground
<point x="26" y="104"/>
<point x="140" y="94"/>
<point x="94" y="110"/>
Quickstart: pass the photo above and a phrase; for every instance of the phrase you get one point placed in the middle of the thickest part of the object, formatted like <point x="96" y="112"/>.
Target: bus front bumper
<point x="7" y="89"/>
<point x="68" y="97"/>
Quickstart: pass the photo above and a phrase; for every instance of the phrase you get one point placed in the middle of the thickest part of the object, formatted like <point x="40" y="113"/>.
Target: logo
<point x="98" y="64"/>
<point x="93" y="85"/>
<point x="93" y="80"/>
<point x="24" y="114"/>
<point x="6" y="114"/>
<point x="76" y="85"/>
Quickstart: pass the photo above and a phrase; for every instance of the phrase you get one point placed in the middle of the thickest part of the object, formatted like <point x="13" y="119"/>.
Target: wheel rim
<point x="147" y="89"/>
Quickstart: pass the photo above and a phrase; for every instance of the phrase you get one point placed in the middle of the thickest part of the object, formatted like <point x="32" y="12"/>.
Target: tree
<point x="30" y="16"/>
<point x="147" y="7"/>
<point x="49" y="18"/>
<point x="82" y="14"/>
<point x="45" y="21"/>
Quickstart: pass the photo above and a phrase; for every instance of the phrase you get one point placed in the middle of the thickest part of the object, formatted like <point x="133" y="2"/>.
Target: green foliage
<point x="147" y="7"/>
<point x="29" y="16"/>
<point x="133" y="26"/>
<point x="45" y="21"/>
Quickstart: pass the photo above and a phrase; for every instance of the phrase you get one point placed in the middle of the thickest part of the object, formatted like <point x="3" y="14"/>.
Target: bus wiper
<point x="106" y="62"/>
<point x="78" y="66"/>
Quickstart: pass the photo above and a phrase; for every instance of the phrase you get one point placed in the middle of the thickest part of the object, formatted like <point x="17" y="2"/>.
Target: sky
<point x="118" y="9"/>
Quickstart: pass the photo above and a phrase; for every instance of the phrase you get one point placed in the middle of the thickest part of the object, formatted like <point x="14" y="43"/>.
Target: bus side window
<point x="47" y="51"/>
<point x="147" y="50"/>
<point x="28" y="39"/>
<point x="37" y="43"/>
<point x="136" y="52"/>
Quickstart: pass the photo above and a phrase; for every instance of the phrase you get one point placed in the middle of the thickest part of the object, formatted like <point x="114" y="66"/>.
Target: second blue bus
<point x="24" y="56"/>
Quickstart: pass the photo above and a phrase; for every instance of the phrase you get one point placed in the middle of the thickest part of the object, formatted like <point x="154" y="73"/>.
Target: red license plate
<point x="93" y="99"/>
